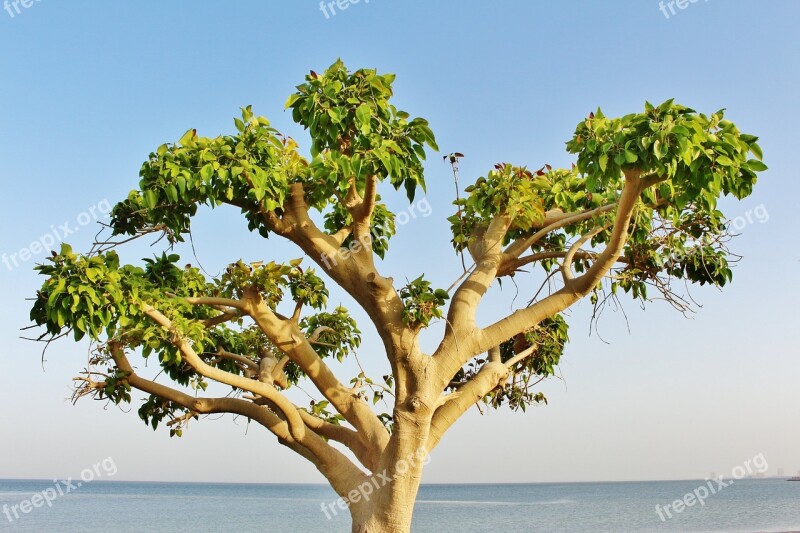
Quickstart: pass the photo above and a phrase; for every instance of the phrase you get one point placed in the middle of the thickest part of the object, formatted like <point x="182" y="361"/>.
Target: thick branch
<point x="481" y="340"/>
<point x="349" y="268"/>
<point x="516" y="248"/>
<point x="290" y="340"/>
<point x="566" y="265"/>
<point x="331" y="463"/>
<point x="343" y="435"/>
<point x="458" y="402"/>
<point x="296" y="425"/>
<point x="619" y="236"/>
<point x="488" y="251"/>
<point x="363" y="212"/>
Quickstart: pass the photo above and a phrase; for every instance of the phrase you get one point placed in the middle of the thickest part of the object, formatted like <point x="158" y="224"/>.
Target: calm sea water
<point x="748" y="505"/>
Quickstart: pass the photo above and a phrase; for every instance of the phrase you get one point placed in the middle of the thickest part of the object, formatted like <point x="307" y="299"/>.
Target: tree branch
<point x="566" y="264"/>
<point x="296" y="425"/>
<point x="216" y="302"/>
<point x="350" y="270"/>
<point x="287" y="336"/>
<point x="477" y="341"/>
<point x="521" y="356"/>
<point x="488" y="252"/>
<point x="225" y="316"/>
<point x="652" y="179"/>
<point x="455" y="404"/>
<point x="336" y="468"/>
<point x="516" y="248"/>
<point x="242" y="360"/>
<point x="343" y="435"/>
<point x="516" y="264"/>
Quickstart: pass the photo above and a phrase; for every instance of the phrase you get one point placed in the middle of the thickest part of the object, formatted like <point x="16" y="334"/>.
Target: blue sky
<point x="90" y="88"/>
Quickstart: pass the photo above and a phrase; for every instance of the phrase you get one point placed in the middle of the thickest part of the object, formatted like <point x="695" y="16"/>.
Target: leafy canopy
<point x="689" y="159"/>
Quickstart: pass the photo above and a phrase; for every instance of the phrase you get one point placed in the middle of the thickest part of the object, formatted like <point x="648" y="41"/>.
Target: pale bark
<point x="392" y="505"/>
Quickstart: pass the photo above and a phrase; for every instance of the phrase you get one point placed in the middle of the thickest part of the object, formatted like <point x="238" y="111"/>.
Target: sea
<point x="757" y="505"/>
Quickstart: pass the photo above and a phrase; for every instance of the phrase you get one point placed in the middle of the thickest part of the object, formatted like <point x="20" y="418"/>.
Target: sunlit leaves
<point x="334" y="334"/>
<point x="251" y="169"/>
<point x="322" y="410"/>
<point x="545" y="342"/>
<point x="422" y="303"/>
<point x="506" y="190"/>
<point x="84" y="294"/>
<point x="382" y="226"/>
<point x="356" y="132"/>
<point x="702" y="156"/>
<point x="548" y="339"/>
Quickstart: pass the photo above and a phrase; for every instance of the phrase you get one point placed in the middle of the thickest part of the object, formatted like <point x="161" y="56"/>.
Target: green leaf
<point x="207" y="172"/>
<point x="291" y="100"/>
<point x="657" y="150"/>
<point x="172" y="193"/>
<point x="188" y="138"/>
<point x="756" y="165"/>
<point x="756" y="149"/>
<point x="364" y="114"/>
<point x="725" y="161"/>
<point x="150" y="198"/>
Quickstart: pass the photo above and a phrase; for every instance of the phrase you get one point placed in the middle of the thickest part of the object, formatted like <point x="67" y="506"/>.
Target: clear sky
<point x="90" y="88"/>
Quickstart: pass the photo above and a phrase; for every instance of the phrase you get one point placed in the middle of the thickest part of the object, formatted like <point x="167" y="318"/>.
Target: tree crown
<point x="642" y="199"/>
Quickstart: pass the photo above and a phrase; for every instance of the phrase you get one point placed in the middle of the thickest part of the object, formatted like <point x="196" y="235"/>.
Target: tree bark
<point x="390" y="505"/>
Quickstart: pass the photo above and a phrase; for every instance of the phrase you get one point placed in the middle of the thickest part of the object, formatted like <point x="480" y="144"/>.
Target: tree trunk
<point x="389" y="506"/>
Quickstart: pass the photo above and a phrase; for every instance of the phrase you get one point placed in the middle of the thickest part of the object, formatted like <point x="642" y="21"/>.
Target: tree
<point x="637" y="210"/>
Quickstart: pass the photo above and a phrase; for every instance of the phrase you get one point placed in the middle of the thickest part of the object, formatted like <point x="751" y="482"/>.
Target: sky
<point x="90" y="88"/>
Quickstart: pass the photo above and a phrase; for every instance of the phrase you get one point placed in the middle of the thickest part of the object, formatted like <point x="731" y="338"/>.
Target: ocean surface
<point x="746" y="506"/>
